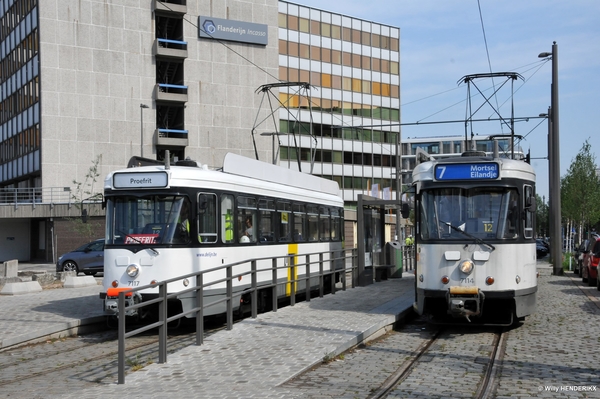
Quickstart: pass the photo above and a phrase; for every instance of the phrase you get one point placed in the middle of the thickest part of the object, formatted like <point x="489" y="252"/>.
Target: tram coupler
<point x="111" y="303"/>
<point x="464" y="302"/>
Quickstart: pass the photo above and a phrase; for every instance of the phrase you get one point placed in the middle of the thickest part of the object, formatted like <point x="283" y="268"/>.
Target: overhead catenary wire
<point x="421" y="121"/>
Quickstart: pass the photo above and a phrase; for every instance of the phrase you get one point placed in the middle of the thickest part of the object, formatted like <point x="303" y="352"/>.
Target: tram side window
<point x="246" y="219"/>
<point x="284" y="212"/>
<point x="207" y="218"/>
<point x="268" y="218"/>
<point x="299" y="223"/>
<point x="227" y="227"/>
<point x="511" y="223"/>
<point x="529" y="216"/>
<point x="324" y="224"/>
<point x="312" y="213"/>
<point x="336" y="225"/>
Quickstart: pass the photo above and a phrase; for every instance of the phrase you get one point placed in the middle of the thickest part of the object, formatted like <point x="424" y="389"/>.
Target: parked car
<point x="87" y="259"/>
<point x="578" y="256"/>
<point x="542" y="248"/>
<point x="591" y="258"/>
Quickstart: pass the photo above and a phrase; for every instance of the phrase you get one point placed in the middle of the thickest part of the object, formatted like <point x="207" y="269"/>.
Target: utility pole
<point x="554" y="168"/>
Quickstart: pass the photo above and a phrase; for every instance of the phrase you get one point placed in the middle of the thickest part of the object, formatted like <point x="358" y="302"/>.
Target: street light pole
<point x="554" y="170"/>
<point x="142" y="106"/>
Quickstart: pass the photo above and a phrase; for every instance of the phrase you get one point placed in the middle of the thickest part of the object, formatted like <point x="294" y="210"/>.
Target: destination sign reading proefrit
<point x="467" y="171"/>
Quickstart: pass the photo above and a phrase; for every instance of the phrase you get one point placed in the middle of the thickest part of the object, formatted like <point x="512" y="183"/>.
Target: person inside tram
<point x="248" y="233"/>
<point x="183" y="225"/>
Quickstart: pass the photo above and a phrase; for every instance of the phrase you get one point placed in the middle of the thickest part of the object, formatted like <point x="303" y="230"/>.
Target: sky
<point x="441" y="41"/>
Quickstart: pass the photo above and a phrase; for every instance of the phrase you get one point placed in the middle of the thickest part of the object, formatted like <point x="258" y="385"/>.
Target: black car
<point x="87" y="259"/>
<point x="542" y="248"/>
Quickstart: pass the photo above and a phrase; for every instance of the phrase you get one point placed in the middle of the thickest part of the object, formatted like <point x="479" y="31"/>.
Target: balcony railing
<point x="167" y="48"/>
<point x="173" y="137"/>
<point x="171" y="93"/>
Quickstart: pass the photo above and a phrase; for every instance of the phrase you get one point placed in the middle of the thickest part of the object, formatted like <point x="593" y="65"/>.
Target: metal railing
<point x="408" y="257"/>
<point x="35" y="195"/>
<point x="346" y="257"/>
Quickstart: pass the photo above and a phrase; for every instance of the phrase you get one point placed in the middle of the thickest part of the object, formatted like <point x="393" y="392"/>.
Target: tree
<point x="541" y="218"/>
<point x="580" y="191"/>
<point x="85" y="192"/>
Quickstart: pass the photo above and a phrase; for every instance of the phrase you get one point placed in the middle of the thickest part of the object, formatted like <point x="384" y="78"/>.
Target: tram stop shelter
<point x="377" y="259"/>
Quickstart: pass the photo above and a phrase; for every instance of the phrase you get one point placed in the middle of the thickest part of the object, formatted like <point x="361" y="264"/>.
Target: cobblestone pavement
<point x="258" y="355"/>
<point x="554" y="353"/>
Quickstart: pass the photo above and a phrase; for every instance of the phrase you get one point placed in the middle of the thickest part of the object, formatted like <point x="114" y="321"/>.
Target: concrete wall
<point x="97" y="67"/>
<point x="14" y="239"/>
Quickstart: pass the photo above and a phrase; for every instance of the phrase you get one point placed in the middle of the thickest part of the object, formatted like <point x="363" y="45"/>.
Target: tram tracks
<point x="424" y="357"/>
<point x="82" y="361"/>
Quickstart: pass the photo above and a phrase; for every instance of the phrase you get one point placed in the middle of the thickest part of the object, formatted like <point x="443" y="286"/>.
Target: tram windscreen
<point x="485" y="213"/>
<point x="147" y="220"/>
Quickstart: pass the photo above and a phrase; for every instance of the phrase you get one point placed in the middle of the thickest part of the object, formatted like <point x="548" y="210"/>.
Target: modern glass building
<point x="343" y="125"/>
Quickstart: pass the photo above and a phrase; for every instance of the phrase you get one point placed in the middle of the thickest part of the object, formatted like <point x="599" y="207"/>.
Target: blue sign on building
<point x="467" y="171"/>
<point x="234" y="31"/>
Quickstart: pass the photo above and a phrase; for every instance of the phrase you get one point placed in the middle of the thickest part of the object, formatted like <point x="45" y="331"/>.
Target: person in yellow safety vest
<point x="228" y="227"/>
<point x="409" y="240"/>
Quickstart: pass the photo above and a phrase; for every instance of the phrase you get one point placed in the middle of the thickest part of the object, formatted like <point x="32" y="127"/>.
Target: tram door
<point x="371" y="236"/>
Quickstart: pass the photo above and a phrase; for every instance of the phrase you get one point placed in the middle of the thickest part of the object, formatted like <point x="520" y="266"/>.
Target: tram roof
<point x="236" y="166"/>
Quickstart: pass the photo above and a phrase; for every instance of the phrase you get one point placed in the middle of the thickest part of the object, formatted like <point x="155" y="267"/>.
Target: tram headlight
<point x="466" y="266"/>
<point x="132" y="270"/>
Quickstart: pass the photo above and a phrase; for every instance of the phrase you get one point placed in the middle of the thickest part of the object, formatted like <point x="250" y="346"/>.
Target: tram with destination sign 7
<point x="164" y="221"/>
<point x="476" y="251"/>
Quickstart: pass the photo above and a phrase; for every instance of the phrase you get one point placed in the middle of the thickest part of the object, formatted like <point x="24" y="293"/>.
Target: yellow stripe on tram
<point x="292" y="250"/>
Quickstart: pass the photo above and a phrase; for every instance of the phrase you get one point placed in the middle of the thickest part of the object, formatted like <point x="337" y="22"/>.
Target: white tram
<point x="165" y="221"/>
<point x="476" y="254"/>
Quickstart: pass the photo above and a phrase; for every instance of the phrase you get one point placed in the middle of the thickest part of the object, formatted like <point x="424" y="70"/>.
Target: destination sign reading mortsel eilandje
<point x="467" y="171"/>
<point x="140" y="180"/>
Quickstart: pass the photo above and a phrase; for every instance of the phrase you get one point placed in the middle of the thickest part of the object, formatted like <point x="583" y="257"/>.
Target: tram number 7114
<point x="467" y="280"/>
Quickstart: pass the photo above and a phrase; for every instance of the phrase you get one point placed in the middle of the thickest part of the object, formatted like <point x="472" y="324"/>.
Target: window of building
<point x="315" y="78"/>
<point x="336" y="57"/>
<point x="304" y="25"/>
<point x="282" y="20"/>
<point x="347" y="59"/>
<point x="283" y="47"/>
<point x="336" y="32"/>
<point x="304" y="51"/>
<point x="315" y="53"/>
<point x="293" y="49"/>
<point x="336" y="82"/>
<point x="292" y="22"/>
<point x="366" y="38"/>
<point x="356" y="60"/>
<point x="346" y="34"/>
<point x="376" y="88"/>
<point x="325" y="29"/>
<point x="326" y="80"/>
<point x="315" y="27"/>
<point x="326" y="55"/>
